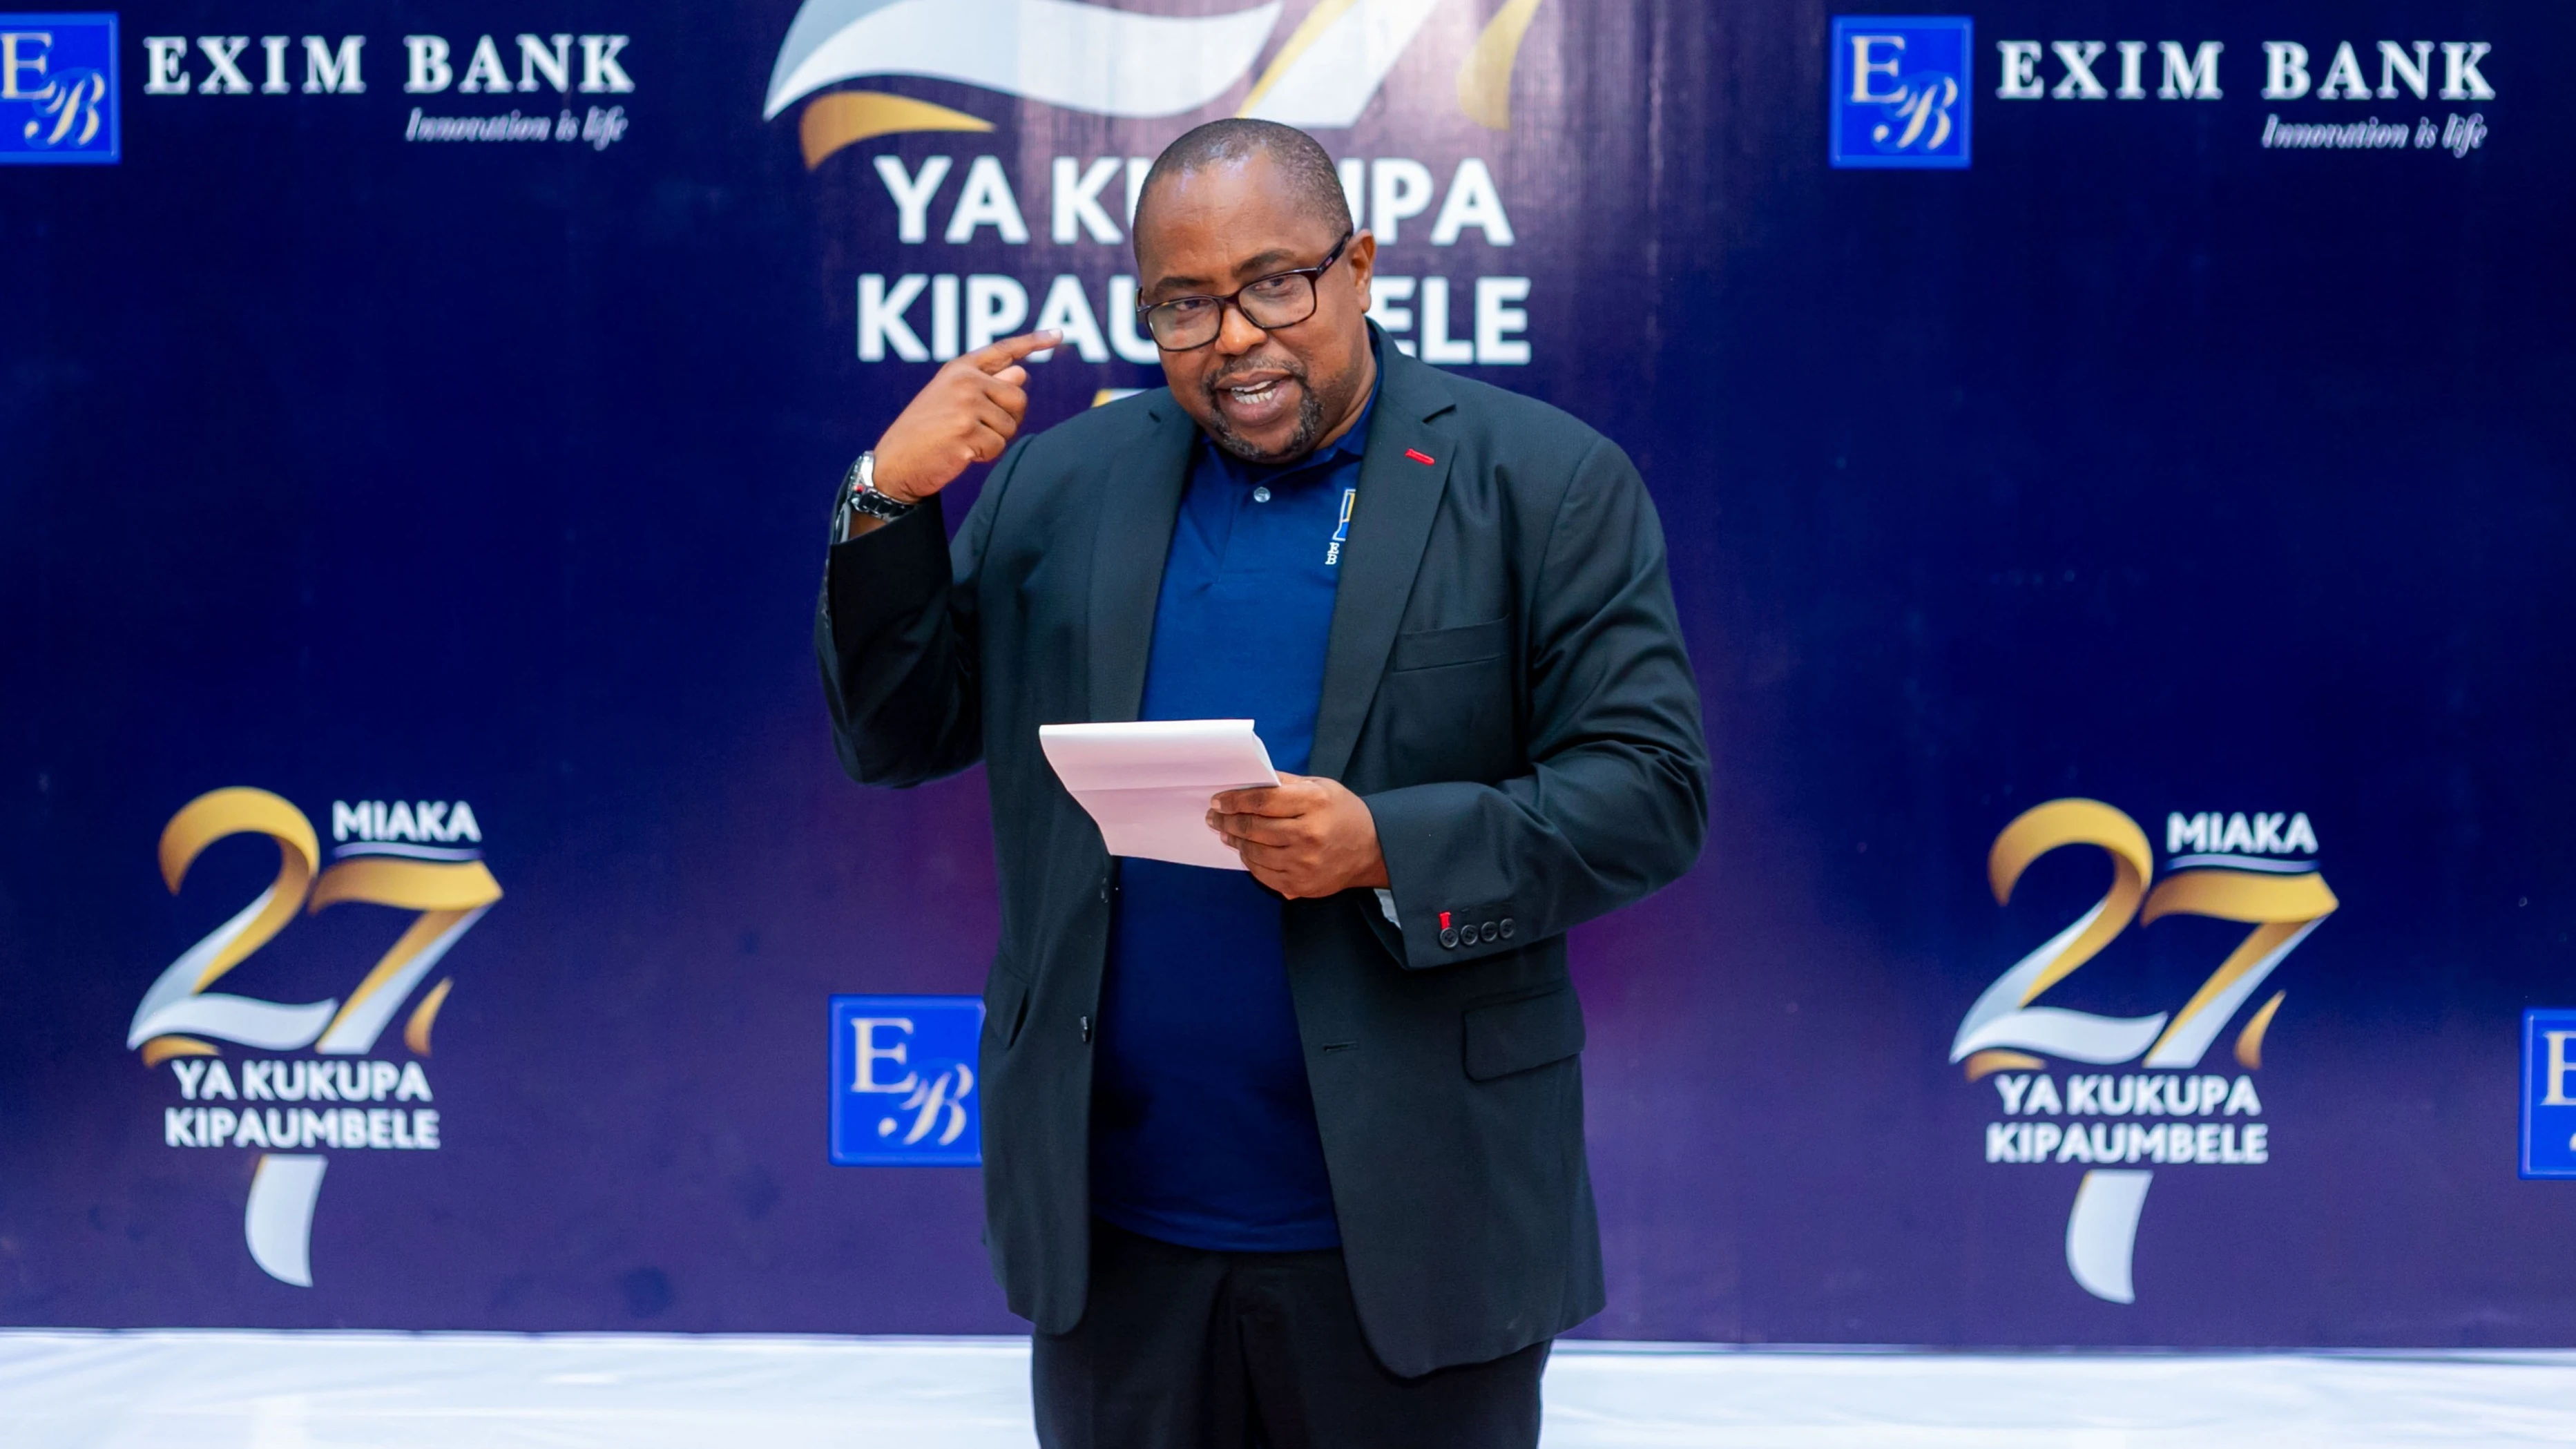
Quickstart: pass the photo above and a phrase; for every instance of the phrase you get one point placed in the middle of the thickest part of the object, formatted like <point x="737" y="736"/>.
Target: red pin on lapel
<point x="1419" y="456"/>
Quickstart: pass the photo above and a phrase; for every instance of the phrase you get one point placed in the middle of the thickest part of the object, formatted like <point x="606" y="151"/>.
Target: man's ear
<point x="1361" y="257"/>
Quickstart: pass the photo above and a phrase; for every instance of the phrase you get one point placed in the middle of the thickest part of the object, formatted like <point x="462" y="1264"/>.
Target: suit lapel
<point x="1399" y="496"/>
<point x="1140" y="498"/>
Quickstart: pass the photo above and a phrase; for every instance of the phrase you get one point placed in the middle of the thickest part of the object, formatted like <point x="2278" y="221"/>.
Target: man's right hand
<point x="967" y="415"/>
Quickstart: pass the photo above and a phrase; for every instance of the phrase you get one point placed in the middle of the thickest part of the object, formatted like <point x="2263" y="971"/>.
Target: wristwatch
<point x="860" y="499"/>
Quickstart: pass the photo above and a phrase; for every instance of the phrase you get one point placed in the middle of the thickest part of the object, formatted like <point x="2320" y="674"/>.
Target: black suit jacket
<point x="1505" y="685"/>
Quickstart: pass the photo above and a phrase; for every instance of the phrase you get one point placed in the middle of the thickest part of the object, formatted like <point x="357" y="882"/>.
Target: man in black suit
<point x="1293" y="1155"/>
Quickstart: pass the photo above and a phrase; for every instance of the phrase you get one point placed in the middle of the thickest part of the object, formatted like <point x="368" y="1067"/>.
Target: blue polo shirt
<point x="1202" y="1126"/>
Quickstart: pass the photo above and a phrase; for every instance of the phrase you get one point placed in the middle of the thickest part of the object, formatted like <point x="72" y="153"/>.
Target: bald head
<point x="1298" y="162"/>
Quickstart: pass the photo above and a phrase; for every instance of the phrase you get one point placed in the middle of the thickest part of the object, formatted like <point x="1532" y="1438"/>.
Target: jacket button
<point x="1507" y="928"/>
<point x="1492" y="930"/>
<point x="1449" y="937"/>
<point x="1086" y="1028"/>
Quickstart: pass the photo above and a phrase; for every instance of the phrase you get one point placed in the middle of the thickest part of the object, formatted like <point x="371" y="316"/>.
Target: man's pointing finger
<point x="1011" y="349"/>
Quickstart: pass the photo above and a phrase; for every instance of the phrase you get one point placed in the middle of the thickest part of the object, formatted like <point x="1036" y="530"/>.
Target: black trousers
<point x="1180" y="1348"/>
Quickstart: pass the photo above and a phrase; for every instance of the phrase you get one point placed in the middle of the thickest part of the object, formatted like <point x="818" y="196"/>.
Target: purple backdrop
<point x="2172" y="454"/>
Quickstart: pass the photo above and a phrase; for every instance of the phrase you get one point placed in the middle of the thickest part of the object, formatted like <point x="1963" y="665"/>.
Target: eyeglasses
<point x="1282" y="299"/>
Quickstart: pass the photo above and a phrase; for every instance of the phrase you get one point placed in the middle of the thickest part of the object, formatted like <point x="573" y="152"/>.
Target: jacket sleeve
<point x="896" y="634"/>
<point x="1615" y="805"/>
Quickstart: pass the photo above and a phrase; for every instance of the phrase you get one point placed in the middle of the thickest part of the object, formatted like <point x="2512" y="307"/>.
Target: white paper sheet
<point x="1148" y="783"/>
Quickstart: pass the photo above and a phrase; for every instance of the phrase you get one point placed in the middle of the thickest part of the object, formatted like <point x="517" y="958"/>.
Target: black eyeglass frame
<point x="1314" y="276"/>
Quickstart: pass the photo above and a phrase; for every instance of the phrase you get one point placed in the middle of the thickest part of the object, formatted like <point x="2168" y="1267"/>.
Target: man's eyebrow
<point x="1251" y="268"/>
<point x="1262" y="263"/>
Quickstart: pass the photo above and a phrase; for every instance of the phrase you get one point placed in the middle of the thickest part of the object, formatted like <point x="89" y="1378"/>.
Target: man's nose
<point x="1235" y="334"/>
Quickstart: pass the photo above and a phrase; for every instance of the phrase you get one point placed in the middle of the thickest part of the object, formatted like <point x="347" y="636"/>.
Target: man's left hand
<point x="1306" y="836"/>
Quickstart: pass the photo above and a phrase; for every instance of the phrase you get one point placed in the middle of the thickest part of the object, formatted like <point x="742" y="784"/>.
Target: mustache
<point x="1218" y="382"/>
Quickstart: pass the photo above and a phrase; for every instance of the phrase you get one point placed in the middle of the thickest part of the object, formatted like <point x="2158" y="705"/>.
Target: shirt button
<point x="1086" y="1028"/>
<point x="1260" y="495"/>
<point x="1491" y="930"/>
<point x="1507" y="928"/>
<point x="1449" y="937"/>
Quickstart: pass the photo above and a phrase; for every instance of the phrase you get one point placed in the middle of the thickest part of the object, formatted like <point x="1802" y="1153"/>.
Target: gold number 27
<point x="179" y="1010"/>
<point x="2282" y="909"/>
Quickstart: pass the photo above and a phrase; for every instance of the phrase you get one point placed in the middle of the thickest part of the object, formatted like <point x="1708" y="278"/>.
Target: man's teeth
<point x="1257" y="392"/>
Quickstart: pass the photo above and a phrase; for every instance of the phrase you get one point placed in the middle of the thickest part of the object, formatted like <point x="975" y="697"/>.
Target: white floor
<point x="218" y="1390"/>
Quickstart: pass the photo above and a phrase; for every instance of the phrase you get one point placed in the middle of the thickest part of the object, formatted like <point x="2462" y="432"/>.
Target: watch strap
<point x="860" y="499"/>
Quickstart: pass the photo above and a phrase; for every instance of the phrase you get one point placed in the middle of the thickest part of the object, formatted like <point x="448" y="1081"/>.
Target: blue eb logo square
<point x="903" y="1081"/>
<point x="58" y="89"/>
<point x="1901" y="90"/>
<point x="2549" y="1093"/>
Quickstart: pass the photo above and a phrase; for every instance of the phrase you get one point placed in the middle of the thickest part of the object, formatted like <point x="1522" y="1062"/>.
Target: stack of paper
<point x="1148" y="783"/>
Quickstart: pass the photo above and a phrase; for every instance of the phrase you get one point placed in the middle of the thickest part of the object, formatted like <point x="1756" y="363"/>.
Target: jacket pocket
<point x="1466" y="644"/>
<point x="1515" y="1036"/>
<point x="1006" y="1005"/>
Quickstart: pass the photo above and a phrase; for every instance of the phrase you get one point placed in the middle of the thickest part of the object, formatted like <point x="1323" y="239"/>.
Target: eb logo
<point x="1900" y="90"/>
<point x="2549" y="1093"/>
<point x="903" y="1081"/>
<point x="58" y="89"/>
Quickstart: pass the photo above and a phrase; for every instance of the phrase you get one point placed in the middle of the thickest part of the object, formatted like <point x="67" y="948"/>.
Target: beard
<point x="1301" y="439"/>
